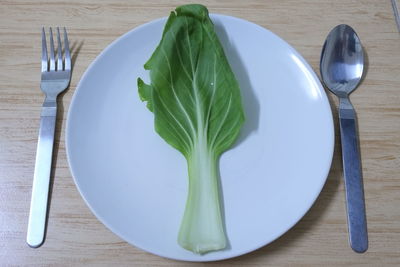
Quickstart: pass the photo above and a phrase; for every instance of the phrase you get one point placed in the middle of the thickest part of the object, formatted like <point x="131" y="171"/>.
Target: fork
<point x="56" y="76"/>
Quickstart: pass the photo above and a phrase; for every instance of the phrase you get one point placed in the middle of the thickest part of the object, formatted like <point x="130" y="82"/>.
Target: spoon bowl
<point x="342" y="60"/>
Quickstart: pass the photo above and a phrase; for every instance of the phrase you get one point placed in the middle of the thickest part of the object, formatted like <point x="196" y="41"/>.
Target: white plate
<point x="136" y="184"/>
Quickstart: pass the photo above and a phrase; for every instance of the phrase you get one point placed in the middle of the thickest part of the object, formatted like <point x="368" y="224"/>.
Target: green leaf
<point x="197" y="109"/>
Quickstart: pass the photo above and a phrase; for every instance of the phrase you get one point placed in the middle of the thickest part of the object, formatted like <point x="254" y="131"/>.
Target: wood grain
<point x="76" y="237"/>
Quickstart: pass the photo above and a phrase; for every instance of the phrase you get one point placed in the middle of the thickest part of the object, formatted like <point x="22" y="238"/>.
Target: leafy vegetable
<point x="197" y="109"/>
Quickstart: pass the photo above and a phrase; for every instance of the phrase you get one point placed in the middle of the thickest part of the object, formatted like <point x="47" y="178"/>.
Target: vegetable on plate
<point x="197" y="108"/>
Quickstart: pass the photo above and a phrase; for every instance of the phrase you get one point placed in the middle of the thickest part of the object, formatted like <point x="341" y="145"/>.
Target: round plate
<point x="136" y="184"/>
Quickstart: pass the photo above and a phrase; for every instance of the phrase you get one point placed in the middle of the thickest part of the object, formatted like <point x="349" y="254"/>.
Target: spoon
<point x="342" y="63"/>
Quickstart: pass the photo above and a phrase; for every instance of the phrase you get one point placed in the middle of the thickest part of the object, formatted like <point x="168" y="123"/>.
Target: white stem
<point x="202" y="227"/>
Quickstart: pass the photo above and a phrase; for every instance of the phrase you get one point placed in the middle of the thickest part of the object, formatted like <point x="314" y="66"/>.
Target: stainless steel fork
<point x="56" y="75"/>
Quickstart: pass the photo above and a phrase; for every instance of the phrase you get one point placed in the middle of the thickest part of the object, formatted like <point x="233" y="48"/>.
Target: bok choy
<point x="197" y="108"/>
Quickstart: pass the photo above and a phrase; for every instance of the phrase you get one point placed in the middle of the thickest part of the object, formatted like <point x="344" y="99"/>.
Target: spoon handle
<point x="356" y="218"/>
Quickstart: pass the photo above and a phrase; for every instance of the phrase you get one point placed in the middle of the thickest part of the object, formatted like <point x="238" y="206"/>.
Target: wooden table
<point x="76" y="237"/>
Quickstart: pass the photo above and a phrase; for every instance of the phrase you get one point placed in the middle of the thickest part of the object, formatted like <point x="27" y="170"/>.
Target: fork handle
<point x="356" y="218"/>
<point x="41" y="178"/>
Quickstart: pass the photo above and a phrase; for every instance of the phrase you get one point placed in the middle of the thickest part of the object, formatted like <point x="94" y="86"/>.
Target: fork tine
<point x="67" y="52"/>
<point x="52" y="58"/>
<point x="45" y="61"/>
<point x="59" y="51"/>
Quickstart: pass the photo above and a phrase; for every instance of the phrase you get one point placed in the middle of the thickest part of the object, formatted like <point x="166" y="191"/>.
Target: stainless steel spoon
<point x="342" y="64"/>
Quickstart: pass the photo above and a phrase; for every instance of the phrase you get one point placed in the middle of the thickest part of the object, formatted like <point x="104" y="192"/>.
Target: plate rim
<point x="324" y="98"/>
